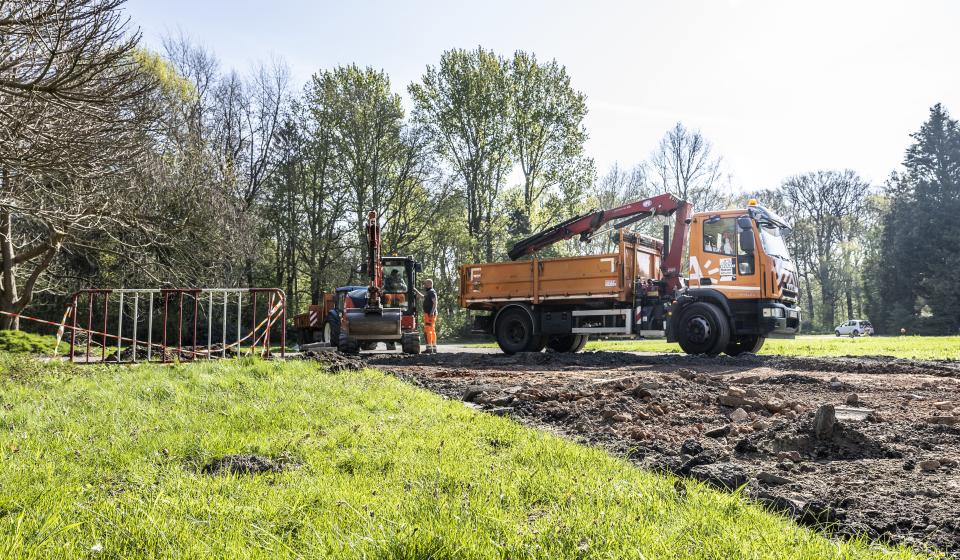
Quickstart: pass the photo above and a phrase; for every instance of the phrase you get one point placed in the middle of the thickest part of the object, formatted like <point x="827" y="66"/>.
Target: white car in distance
<point x="855" y="327"/>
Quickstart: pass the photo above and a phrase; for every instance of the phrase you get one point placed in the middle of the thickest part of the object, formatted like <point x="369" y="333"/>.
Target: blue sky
<point x="778" y="87"/>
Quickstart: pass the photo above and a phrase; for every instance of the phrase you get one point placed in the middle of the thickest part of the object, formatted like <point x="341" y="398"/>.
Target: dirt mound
<point x="336" y="362"/>
<point x="246" y="464"/>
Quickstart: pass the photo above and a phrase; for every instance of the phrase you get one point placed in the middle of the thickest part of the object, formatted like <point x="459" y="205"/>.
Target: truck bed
<point x="608" y="276"/>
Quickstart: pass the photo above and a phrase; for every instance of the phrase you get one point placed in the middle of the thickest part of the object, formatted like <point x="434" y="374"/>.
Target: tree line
<point x="126" y="167"/>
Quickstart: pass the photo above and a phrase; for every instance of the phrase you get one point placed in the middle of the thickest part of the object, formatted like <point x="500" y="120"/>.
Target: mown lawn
<point x="916" y="347"/>
<point x="105" y="462"/>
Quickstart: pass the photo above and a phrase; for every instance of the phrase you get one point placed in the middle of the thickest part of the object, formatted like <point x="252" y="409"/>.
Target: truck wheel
<point x="410" y="344"/>
<point x="747" y="343"/>
<point x="515" y="332"/>
<point x="537" y="344"/>
<point x="855" y="333"/>
<point x="567" y="343"/>
<point x="350" y="346"/>
<point x="703" y="329"/>
<point x="838" y="333"/>
<point x="583" y="342"/>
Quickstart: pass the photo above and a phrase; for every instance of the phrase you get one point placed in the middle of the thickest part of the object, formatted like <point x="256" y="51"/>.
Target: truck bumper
<point x="779" y="320"/>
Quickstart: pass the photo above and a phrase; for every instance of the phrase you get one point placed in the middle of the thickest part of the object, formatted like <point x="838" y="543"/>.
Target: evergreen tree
<point x="919" y="257"/>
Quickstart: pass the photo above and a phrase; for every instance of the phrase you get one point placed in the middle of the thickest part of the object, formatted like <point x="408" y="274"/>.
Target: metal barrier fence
<point x="160" y="310"/>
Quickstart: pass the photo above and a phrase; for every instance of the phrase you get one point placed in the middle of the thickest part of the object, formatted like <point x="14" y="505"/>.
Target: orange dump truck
<point x="741" y="287"/>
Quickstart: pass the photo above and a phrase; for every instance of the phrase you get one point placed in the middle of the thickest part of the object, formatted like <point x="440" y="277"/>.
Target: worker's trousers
<point x="430" y="329"/>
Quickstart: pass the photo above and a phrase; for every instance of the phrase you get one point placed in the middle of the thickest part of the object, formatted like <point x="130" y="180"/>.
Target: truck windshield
<point x="771" y="235"/>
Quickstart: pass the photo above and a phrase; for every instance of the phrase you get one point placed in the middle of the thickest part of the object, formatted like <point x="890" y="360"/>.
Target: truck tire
<point x="537" y="344"/>
<point x="583" y="342"/>
<point x="703" y="329"/>
<point x="350" y="346"/>
<point x="515" y="332"/>
<point x="410" y="344"/>
<point x="569" y="343"/>
<point x="744" y="343"/>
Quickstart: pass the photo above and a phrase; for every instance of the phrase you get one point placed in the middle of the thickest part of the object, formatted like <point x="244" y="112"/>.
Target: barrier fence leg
<point x="196" y="306"/>
<point x="89" y="323"/>
<point x="253" y="335"/>
<point x="239" y="308"/>
<point x="120" y="328"/>
<point x="150" y="329"/>
<point x="103" y="346"/>
<point x="266" y="335"/>
<point x="136" y="316"/>
<point x="180" y="325"/>
<point x="163" y="347"/>
<point x="73" y="331"/>
<point x="283" y="325"/>
<point x="210" y="328"/>
<point x="224" y="350"/>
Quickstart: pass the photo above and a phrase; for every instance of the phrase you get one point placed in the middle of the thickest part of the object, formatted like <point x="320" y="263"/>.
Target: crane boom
<point x="587" y="224"/>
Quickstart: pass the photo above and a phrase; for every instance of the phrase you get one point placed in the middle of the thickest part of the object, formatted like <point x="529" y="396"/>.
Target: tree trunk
<point x="850" y="314"/>
<point x="8" y="286"/>
<point x="828" y="298"/>
<point x="809" y="293"/>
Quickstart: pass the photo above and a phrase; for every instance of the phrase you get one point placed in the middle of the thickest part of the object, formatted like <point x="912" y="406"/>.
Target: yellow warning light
<point x="752" y="202"/>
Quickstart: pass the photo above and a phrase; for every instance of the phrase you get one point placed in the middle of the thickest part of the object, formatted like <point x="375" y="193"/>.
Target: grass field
<point x="106" y="462"/>
<point x="915" y="347"/>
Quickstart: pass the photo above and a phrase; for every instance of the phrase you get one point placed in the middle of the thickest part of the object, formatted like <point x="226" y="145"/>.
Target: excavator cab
<point x="395" y="320"/>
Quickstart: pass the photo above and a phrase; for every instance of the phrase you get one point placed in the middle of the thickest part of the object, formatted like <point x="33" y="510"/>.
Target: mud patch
<point x="248" y="464"/>
<point x="336" y="362"/>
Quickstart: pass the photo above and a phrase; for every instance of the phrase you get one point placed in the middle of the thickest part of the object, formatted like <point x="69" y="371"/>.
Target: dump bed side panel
<point x="536" y="281"/>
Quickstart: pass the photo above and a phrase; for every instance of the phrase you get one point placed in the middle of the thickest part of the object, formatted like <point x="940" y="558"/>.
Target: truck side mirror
<point x="417" y="267"/>
<point x="746" y="235"/>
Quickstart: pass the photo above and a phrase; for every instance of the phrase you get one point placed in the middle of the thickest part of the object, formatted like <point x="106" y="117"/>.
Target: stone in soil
<point x="824" y="421"/>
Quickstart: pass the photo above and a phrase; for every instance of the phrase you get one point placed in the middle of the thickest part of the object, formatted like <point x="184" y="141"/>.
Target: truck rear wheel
<point x="515" y="332"/>
<point x="703" y="329"/>
<point x="746" y="343"/>
<point x="410" y="343"/>
<point x="567" y="343"/>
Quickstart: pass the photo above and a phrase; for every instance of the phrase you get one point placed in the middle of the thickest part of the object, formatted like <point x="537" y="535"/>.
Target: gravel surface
<point x="864" y="445"/>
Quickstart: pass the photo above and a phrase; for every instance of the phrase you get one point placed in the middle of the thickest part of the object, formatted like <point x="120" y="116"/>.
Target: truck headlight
<point x="772" y="312"/>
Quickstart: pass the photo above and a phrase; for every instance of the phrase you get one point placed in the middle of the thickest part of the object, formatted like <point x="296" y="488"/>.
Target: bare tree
<point x="826" y="206"/>
<point x="684" y="164"/>
<point x="76" y="115"/>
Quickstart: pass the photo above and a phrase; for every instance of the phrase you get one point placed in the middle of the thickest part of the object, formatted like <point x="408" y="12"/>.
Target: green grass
<point x="20" y="342"/>
<point x="104" y="461"/>
<point x="916" y="347"/>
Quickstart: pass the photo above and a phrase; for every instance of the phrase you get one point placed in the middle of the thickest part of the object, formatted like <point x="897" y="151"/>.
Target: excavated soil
<point x="247" y="464"/>
<point x="856" y="446"/>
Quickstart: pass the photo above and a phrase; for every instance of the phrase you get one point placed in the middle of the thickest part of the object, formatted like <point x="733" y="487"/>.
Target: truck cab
<point x="741" y="285"/>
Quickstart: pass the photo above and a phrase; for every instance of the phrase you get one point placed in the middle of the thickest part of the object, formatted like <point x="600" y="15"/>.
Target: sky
<point x="778" y="87"/>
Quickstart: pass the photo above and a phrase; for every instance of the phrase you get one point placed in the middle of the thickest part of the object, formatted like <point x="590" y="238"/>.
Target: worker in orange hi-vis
<point x="430" y="316"/>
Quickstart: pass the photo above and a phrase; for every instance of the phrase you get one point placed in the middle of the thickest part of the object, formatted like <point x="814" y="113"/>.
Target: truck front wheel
<point x="747" y="343"/>
<point x="703" y="329"/>
<point x="567" y="343"/>
<point x="515" y="332"/>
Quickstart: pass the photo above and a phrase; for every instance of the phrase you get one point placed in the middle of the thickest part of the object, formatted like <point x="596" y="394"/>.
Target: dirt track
<point x="888" y="467"/>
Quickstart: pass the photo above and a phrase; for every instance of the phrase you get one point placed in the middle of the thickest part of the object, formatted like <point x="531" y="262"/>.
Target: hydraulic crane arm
<point x="587" y="224"/>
